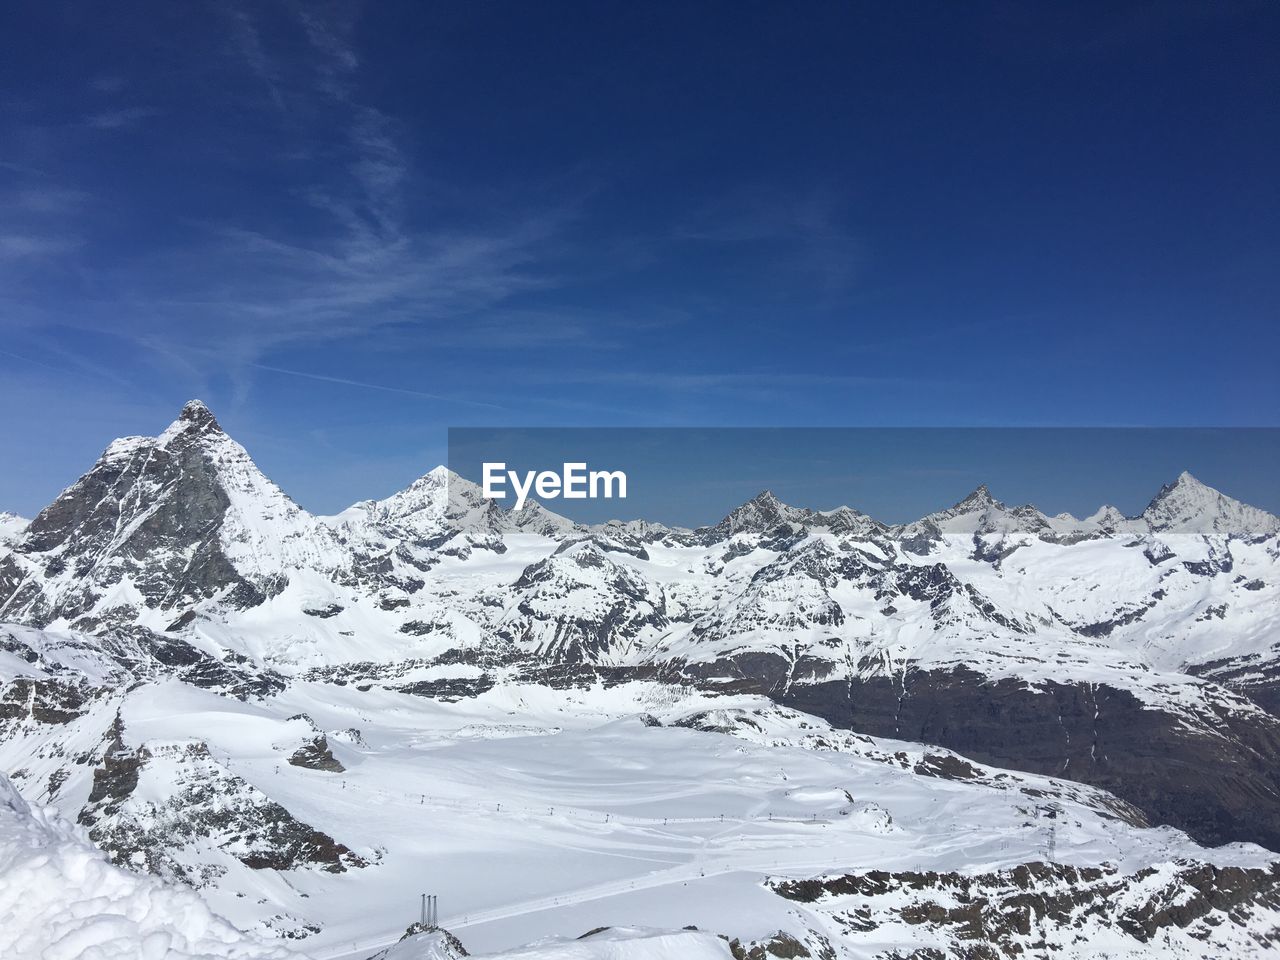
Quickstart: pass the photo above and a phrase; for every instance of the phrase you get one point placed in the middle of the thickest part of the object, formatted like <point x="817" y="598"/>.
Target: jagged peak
<point x="979" y="499"/>
<point x="197" y="411"/>
<point x="763" y="508"/>
<point x="764" y="503"/>
<point x="1190" y="506"/>
<point x="1185" y="482"/>
<point x="1184" y="486"/>
<point x="194" y="420"/>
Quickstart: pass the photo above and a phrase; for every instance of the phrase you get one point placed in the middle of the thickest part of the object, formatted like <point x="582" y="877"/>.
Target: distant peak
<point x="1106" y="514"/>
<point x="981" y="497"/>
<point x="1184" y="484"/>
<point x="195" y="412"/>
<point x="764" y="504"/>
<point x="1188" y="506"/>
<point x="435" y="477"/>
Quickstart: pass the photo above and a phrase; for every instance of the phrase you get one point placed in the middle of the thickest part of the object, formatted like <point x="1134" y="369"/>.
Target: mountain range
<point x="190" y="661"/>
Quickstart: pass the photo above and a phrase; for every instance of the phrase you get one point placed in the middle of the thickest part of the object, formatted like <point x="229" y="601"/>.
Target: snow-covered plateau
<point x="987" y="733"/>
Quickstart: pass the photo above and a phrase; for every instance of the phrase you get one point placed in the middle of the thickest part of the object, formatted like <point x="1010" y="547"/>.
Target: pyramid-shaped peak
<point x="197" y="412"/>
<point x="194" y="420"/>
<point x="434" y="479"/>
<point x="979" y="499"/>
<point x="1188" y="506"/>
<point x="1184" y="486"/>
<point x="764" y="506"/>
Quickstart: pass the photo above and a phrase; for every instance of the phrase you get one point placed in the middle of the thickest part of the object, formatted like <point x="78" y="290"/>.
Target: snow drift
<point x="61" y="900"/>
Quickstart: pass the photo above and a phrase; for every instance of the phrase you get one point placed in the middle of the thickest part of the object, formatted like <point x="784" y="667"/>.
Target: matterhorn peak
<point x="196" y="411"/>
<point x="194" y="420"/>
<point x="199" y="415"/>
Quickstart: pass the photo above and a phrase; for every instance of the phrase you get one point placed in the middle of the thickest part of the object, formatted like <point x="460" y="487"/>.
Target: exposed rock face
<point x="1220" y="789"/>
<point x="208" y="816"/>
<point x="1256" y="675"/>
<point x="121" y="656"/>
<point x="316" y="755"/>
<point x="44" y="701"/>
<point x="783" y="946"/>
<point x="1181" y="908"/>
<point x="181" y="518"/>
<point x="580" y="605"/>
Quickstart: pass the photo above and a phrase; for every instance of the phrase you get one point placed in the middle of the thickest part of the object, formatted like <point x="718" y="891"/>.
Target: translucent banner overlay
<point x="693" y="476"/>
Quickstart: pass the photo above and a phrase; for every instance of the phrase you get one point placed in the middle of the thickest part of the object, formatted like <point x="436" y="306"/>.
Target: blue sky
<point x="349" y="227"/>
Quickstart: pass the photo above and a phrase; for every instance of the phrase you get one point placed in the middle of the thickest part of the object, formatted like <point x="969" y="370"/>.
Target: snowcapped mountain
<point x="233" y="694"/>
<point x="158" y="525"/>
<point x="1188" y="506"/>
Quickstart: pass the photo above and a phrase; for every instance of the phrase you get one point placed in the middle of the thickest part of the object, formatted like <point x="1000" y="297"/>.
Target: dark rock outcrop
<point x="1042" y="906"/>
<point x="1219" y="785"/>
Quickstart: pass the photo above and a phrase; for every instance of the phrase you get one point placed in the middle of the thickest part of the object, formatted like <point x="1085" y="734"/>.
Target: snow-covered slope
<point x="535" y="812"/>
<point x="607" y="944"/>
<point x="61" y="900"/>
<point x="11" y="527"/>
<point x="232" y="693"/>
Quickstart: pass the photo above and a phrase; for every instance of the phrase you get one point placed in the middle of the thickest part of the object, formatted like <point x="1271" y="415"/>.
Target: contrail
<point x="378" y="386"/>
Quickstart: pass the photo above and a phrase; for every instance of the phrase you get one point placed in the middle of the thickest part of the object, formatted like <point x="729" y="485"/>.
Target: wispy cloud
<point x="25" y="246"/>
<point x="760" y="381"/>
<point x="124" y="118"/>
<point x="46" y="199"/>
<point x="248" y="43"/>
<point x="242" y="288"/>
<point x="805" y="233"/>
<point x="108" y="83"/>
